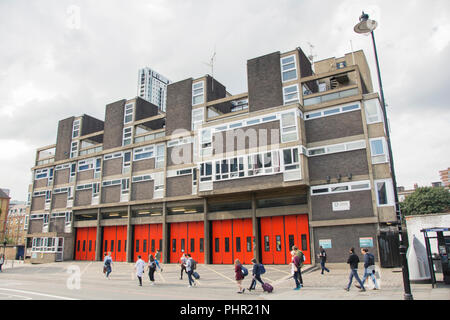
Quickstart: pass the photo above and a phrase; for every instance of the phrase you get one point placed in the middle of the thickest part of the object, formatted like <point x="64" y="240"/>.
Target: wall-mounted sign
<point x="366" y="242"/>
<point x="341" y="205"/>
<point x="325" y="243"/>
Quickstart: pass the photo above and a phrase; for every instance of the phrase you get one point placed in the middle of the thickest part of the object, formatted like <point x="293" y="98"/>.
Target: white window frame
<point x="239" y="173"/>
<point x="290" y="101"/>
<point x="143" y="150"/>
<point x="110" y="183"/>
<point x="294" y="68"/>
<point x="128" y="110"/>
<point x="41" y="172"/>
<point x="127" y="136"/>
<point x="389" y="192"/>
<point x="348" y="107"/>
<point x="202" y="93"/>
<point x="373" y="118"/>
<point x="287" y="129"/>
<point x="126" y="165"/>
<point x="206" y="142"/>
<point x="112" y="156"/>
<point x="198" y="116"/>
<point x="382" y="157"/>
<point x="202" y="171"/>
<point x="74" y="149"/>
<point x="141" y="178"/>
<point x="160" y="155"/>
<point x="294" y="153"/>
<point x="338" y="187"/>
<point x="76" y="126"/>
<point x="328" y="149"/>
<point x="87" y="162"/>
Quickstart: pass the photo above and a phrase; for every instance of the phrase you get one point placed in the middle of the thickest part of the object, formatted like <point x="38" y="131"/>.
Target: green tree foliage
<point x="426" y="200"/>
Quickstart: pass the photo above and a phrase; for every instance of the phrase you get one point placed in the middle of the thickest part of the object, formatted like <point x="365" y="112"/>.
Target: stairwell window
<point x="128" y="114"/>
<point x="288" y="68"/>
<point x="76" y="128"/>
<point x="385" y="192"/>
<point x="127" y="136"/>
<point x="74" y="149"/>
<point x="373" y="111"/>
<point x="290" y="94"/>
<point x="378" y="150"/>
<point x="288" y="127"/>
<point x="198" y="90"/>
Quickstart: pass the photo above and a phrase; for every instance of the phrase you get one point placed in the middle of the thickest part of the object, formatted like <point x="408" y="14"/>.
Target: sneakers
<point x="362" y="290"/>
<point x="189" y="286"/>
<point x="346" y="289"/>
<point x="298" y="288"/>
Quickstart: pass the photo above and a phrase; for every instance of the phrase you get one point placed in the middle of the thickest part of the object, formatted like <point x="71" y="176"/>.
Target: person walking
<point x="139" y="267"/>
<point x="107" y="264"/>
<point x="239" y="276"/>
<point x="190" y="270"/>
<point x="295" y="269"/>
<point x="158" y="259"/>
<point x="256" y="272"/>
<point x="2" y="261"/>
<point x="183" y="260"/>
<point x="151" y="269"/>
<point x="323" y="259"/>
<point x="369" y="265"/>
<point x="353" y="261"/>
<point x="301" y="259"/>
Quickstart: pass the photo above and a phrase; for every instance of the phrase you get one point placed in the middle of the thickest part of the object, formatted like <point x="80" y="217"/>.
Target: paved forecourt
<point x="85" y="280"/>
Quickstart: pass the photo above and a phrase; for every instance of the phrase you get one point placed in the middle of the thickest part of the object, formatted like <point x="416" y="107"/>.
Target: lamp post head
<point x="365" y="25"/>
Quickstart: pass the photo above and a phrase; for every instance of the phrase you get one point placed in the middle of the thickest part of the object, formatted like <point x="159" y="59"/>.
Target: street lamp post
<point x="365" y="26"/>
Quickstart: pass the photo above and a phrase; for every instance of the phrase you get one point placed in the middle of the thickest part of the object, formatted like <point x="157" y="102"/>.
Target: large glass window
<point x="198" y="93"/>
<point x="128" y="114"/>
<point x="127" y="136"/>
<point x="290" y="94"/>
<point x="76" y="128"/>
<point x="373" y="111"/>
<point x="288" y="127"/>
<point x="378" y="150"/>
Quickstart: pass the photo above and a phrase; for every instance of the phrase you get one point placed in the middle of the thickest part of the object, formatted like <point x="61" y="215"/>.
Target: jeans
<point x="140" y="280"/>
<point x="368" y="272"/>
<point x="322" y="265"/>
<point x="256" y="277"/>
<point x="191" y="281"/>
<point x="108" y="271"/>
<point x="297" y="282"/>
<point x="183" y="268"/>
<point x="151" y="272"/>
<point x="354" y="273"/>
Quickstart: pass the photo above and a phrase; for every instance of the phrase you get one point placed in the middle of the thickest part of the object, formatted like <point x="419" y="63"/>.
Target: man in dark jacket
<point x="323" y="259"/>
<point x="256" y="275"/>
<point x="353" y="261"/>
<point x="369" y="267"/>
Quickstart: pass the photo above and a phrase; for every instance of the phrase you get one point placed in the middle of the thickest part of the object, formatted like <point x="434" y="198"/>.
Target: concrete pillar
<point x="165" y="235"/>
<point x="98" y="247"/>
<point x="207" y="236"/>
<point x="256" y="237"/>
<point x="129" y="236"/>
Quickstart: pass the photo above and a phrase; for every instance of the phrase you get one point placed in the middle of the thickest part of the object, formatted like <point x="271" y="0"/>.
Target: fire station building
<point x="300" y="159"/>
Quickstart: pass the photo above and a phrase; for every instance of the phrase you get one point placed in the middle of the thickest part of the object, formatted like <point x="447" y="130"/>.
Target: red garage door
<point x="189" y="237"/>
<point x="115" y="241"/>
<point x="85" y="243"/>
<point x="147" y="239"/>
<point x="279" y="234"/>
<point x="232" y="239"/>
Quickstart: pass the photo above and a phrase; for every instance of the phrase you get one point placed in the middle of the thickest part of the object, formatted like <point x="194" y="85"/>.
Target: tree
<point x="426" y="200"/>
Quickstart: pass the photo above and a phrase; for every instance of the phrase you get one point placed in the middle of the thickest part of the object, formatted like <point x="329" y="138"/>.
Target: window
<point x="127" y="136"/>
<point x="144" y="246"/>
<point x="278" y="243"/>
<point x="84" y="165"/>
<point x="216" y="245"/>
<point x="249" y="244"/>
<point x="112" y="156"/>
<point x="230" y="168"/>
<point x="266" y="244"/>
<point x="192" y="246"/>
<point x="160" y="149"/>
<point x="378" y="150"/>
<point x="198" y="93"/>
<point x="288" y="127"/>
<point x="206" y="171"/>
<point x="341" y="187"/>
<point x="288" y="68"/>
<point x="108" y="183"/>
<point x="373" y="111"/>
<point x="290" y="159"/>
<point x="291" y="241"/>
<point x="143" y="153"/>
<point x="106" y="245"/>
<point x="202" y="245"/>
<point x="304" y="242"/>
<point x="340" y="65"/>
<point x="206" y="142"/>
<point x="238" y="244"/>
<point x="74" y="149"/>
<point x="112" y="245"/>
<point x="126" y="162"/>
<point x="385" y="192"/>
<point x="128" y="114"/>
<point x="40" y="174"/>
<point x="76" y="128"/>
<point x="331" y="111"/>
<point x="98" y="168"/>
<point x="290" y="94"/>
<point x="142" y="178"/>
<point x="197" y="118"/>
<point x="227" y="244"/>
<point x="153" y="245"/>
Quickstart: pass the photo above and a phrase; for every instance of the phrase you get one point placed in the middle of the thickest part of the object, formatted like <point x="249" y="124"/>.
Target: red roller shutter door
<point x="266" y="240"/>
<point x="155" y="239"/>
<point x="141" y="233"/>
<point x="178" y="240"/>
<point x="297" y="233"/>
<point x="242" y="240"/>
<point x="80" y="237"/>
<point x="109" y="241"/>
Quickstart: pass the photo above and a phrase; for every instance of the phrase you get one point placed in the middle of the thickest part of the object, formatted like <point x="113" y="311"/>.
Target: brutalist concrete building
<point x="300" y="159"/>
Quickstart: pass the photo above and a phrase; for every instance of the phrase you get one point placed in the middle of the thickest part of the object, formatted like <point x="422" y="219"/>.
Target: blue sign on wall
<point x="366" y="242"/>
<point x="326" y="244"/>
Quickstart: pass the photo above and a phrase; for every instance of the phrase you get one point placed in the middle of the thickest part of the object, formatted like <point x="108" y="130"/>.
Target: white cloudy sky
<point x="55" y="63"/>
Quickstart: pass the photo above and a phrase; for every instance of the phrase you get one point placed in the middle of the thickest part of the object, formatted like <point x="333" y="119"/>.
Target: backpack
<point x="301" y="258"/>
<point x="244" y="271"/>
<point x="193" y="264"/>
<point x="107" y="262"/>
<point x="262" y="270"/>
<point x="371" y="259"/>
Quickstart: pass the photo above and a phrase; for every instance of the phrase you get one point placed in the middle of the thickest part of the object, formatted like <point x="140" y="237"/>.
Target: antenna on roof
<point x="211" y="65"/>
<point x="311" y="55"/>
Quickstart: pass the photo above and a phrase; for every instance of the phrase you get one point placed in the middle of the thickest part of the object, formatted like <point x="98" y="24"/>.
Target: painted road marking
<point x="220" y="274"/>
<point x="38" y="294"/>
